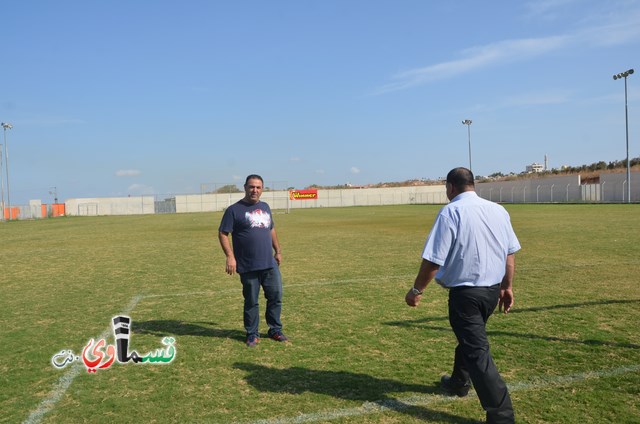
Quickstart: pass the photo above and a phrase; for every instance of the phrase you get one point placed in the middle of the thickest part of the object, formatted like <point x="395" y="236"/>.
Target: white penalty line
<point x="67" y="378"/>
<point x="65" y="381"/>
<point x="402" y="404"/>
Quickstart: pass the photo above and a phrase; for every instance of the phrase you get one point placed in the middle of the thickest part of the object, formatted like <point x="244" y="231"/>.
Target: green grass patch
<point x="570" y="349"/>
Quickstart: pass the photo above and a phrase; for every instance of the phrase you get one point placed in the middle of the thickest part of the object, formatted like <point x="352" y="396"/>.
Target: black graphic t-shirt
<point x="250" y="226"/>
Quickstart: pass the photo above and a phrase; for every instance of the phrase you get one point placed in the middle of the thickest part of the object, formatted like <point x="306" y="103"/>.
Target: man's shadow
<point x="349" y="386"/>
<point x="163" y="328"/>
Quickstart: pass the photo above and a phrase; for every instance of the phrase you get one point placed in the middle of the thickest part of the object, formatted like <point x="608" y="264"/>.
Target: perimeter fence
<point x="612" y="188"/>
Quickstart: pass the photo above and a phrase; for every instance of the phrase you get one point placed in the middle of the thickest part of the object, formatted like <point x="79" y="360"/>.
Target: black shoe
<point x="454" y="387"/>
<point x="279" y="336"/>
<point x="253" y="340"/>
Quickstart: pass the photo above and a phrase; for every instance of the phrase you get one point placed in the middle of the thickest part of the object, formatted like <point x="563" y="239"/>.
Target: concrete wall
<point x="208" y="202"/>
<point x="563" y="189"/>
<point x="326" y="198"/>
<point x="276" y="199"/>
<point x="591" y="193"/>
<point x="374" y="197"/>
<point x="135" y="205"/>
<point x="559" y="189"/>
<point x="613" y="187"/>
<point x="538" y="190"/>
<point x="35" y="209"/>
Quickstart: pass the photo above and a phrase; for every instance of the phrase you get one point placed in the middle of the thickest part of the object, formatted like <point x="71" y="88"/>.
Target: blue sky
<point x="160" y="97"/>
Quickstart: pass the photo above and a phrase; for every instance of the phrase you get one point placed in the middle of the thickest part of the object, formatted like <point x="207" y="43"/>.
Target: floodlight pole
<point x="55" y="194"/>
<point x="626" y="122"/>
<point x="468" y="122"/>
<point x="1" y="184"/>
<point x="7" y="126"/>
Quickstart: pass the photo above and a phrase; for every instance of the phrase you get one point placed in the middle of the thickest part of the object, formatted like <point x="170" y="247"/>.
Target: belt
<point x="474" y="287"/>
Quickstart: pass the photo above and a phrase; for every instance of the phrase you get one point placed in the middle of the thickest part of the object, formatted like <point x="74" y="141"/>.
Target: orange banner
<point x="303" y="194"/>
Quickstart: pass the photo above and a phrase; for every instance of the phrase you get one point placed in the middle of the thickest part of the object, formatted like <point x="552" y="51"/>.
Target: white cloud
<point x="128" y="173"/>
<point x="355" y="170"/>
<point x="620" y="29"/>
<point x="618" y="32"/>
<point x="295" y="159"/>
<point x="476" y="58"/>
<point x="546" y="9"/>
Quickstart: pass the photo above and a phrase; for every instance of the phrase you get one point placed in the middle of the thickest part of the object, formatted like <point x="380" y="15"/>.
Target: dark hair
<point x="460" y="178"/>
<point x="253" y="177"/>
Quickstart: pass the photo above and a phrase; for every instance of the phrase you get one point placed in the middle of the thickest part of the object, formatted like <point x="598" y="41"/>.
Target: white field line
<point x="367" y="408"/>
<point x="67" y="378"/>
<point x="60" y="388"/>
<point x="402" y="404"/>
<point x="308" y="284"/>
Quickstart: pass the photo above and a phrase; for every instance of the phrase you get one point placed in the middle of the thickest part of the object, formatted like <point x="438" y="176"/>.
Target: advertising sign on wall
<point x="303" y="194"/>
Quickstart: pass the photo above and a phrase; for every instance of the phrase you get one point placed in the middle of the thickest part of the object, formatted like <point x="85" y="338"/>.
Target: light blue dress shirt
<point x="470" y="240"/>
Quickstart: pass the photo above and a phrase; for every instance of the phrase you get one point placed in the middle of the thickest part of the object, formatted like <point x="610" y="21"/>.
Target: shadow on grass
<point x="180" y="328"/>
<point x="589" y="342"/>
<point x="420" y="323"/>
<point x="528" y="310"/>
<point x="345" y="385"/>
<point x="574" y="305"/>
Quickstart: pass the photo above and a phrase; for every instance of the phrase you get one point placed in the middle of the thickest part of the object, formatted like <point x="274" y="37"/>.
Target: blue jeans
<point x="271" y="283"/>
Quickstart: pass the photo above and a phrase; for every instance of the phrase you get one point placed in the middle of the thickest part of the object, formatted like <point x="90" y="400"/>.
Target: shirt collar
<point x="464" y="195"/>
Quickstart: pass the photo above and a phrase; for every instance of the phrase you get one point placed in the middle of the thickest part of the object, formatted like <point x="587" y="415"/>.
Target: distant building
<point x="535" y="167"/>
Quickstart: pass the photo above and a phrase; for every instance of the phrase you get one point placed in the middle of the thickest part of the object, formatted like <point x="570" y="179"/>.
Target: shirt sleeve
<point x="514" y="243"/>
<point x="226" y="225"/>
<point x="438" y="244"/>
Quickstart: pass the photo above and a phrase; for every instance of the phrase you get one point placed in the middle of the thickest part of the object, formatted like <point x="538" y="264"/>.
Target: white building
<point x="535" y="167"/>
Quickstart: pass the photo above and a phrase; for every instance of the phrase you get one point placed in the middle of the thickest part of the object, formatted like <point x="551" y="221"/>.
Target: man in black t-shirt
<point x="254" y="240"/>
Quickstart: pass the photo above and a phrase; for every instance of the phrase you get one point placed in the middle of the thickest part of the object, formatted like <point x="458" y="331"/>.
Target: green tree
<point x="229" y="188"/>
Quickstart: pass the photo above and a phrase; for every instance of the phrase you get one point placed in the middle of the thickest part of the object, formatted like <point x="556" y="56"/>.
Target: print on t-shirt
<point x="258" y="219"/>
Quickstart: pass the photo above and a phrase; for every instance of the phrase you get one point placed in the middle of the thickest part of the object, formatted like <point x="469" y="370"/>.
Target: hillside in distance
<point x="589" y="174"/>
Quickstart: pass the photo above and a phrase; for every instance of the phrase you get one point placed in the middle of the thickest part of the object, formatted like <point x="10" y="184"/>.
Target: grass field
<point x="570" y="349"/>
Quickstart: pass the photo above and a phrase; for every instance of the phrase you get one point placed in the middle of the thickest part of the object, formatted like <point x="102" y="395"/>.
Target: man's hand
<point x="231" y="265"/>
<point x="230" y="268"/>
<point x="506" y="300"/>
<point x="426" y="273"/>
<point x="506" y="292"/>
<point x="278" y="258"/>
<point x="412" y="299"/>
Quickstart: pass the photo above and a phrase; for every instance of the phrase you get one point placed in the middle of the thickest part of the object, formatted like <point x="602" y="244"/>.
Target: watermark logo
<point x="97" y="354"/>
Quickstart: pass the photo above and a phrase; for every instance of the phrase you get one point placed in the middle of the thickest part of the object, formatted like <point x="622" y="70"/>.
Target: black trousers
<point x="469" y="310"/>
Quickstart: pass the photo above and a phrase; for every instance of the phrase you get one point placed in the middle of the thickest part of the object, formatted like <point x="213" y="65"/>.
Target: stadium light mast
<point x="624" y="75"/>
<point x="468" y="123"/>
<point x="54" y="191"/>
<point x="1" y="184"/>
<point x="6" y="126"/>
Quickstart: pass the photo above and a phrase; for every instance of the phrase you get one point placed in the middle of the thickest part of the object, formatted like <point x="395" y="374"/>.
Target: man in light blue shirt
<point x="470" y="250"/>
